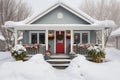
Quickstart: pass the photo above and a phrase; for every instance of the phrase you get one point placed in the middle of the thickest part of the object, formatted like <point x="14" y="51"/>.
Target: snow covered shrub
<point x="96" y="53"/>
<point x="19" y="52"/>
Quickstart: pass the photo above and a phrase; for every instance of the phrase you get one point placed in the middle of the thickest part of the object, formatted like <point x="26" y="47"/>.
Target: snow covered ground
<point x="5" y="57"/>
<point x="79" y="69"/>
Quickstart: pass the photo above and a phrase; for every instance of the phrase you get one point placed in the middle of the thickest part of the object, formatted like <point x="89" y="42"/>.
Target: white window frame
<point x="37" y="36"/>
<point x="81" y="32"/>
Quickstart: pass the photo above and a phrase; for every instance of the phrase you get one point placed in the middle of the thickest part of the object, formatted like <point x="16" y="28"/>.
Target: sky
<point x="39" y="5"/>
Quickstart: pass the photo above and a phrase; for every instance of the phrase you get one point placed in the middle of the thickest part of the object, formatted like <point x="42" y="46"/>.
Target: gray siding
<point x="68" y="18"/>
<point x="92" y="37"/>
<point x="67" y="46"/>
<point x="25" y="37"/>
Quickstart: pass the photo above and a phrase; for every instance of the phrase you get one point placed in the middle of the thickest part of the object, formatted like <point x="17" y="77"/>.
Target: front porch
<point x="68" y="44"/>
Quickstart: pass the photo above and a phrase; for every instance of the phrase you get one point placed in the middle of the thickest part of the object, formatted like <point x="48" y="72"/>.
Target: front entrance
<point x="60" y="42"/>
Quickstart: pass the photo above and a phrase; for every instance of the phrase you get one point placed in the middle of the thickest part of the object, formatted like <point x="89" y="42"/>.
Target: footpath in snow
<point x="79" y="69"/>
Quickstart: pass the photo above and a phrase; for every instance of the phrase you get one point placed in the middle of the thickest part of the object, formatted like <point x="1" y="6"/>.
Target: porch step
<point x="59" y="61"/>
<point x="59" y="57"/>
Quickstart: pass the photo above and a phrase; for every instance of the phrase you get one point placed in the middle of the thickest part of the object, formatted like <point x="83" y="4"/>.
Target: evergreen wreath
<point x="60" y="37"/>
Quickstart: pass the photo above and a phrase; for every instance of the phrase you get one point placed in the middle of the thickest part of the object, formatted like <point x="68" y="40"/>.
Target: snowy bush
<point x="96" y="53"/>
<point x="19" y="52"/>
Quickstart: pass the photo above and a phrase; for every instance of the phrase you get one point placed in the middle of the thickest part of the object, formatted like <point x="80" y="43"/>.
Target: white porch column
<point x="103" y="39"/>
<point x="16" y="37"/>
<point x="46" y="39"/>
<point x="71" y="47"/>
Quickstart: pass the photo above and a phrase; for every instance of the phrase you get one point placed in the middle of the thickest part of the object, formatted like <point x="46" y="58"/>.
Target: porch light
<point x="68" y="35"/>
<point x="50" y="35"/>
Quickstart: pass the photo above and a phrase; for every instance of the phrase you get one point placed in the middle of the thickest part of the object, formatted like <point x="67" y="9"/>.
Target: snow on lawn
<point x="34" y="69"/>
<point x="98" y="71"/>
<point x="5" y="57"/>
<point x="79" y="69"/>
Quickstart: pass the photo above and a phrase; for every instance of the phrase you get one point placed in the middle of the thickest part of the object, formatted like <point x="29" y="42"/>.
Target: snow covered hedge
<point x="19" y="52"/>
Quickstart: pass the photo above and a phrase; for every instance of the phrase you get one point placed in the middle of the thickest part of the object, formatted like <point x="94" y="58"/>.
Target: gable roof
<point x="73" y="10"/>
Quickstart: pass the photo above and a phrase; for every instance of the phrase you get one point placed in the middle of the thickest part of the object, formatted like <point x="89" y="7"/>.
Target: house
<point x="59" y="29"/>
<point x="116" y="36"/>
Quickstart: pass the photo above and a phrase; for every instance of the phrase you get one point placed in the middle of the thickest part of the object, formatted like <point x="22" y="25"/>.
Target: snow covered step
<point x="58" y="60"/>
<point x="60" y="65"/>
<point x="59" y="57"/>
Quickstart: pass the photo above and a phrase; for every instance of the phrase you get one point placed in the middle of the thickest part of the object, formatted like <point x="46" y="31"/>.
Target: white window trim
<point x="30" y="32"/>
<point x="80" y="32"/>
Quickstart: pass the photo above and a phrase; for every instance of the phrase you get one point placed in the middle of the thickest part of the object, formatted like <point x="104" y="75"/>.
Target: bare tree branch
<point x="102" y="10"/>
<point x="12" y="10"/>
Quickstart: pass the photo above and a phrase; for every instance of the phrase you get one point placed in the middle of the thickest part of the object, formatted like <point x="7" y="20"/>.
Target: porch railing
<point x="34" y="48"/>
<point x="80" y="50"/>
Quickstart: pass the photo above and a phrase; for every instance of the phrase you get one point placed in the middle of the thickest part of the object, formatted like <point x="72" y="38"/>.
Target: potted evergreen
<point x="96" y="54"/>
<point x="19" y="52"/>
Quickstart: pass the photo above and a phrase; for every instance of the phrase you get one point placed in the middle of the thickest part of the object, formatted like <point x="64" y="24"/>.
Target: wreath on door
<point x="60" y="37"/>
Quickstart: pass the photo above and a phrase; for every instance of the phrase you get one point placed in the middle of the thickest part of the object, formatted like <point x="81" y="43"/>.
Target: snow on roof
<point x="12" y="23"/>
<point x="105" y="23"/>
<point x="20" y="38"/>
<point x="115" y="33"/>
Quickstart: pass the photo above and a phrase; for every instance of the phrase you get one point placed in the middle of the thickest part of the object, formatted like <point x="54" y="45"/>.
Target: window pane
<point x="84" y="38"/>
<point x="76" y="38"/>
<point x="42" y="38"/>
<point x="34" y="38"/>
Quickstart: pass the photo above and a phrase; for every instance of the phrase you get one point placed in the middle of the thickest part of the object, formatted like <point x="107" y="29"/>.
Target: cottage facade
<point x="59" y="29"/>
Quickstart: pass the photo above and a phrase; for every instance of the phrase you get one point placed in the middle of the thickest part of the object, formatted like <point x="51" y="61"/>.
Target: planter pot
<point x="98" y="59"/>
<point x="47" y="57"/>
<point x="72" y="56"/>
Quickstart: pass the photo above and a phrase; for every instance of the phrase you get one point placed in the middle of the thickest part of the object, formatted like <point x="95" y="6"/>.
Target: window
<point x="81" y="37"/>
<point x="37" y="37"/>
<point x="84" y="38"/>
<point x="34" y="38"/>
<point x="42" y="38"/>
<point x="76" y="38"/>
<point x="60" y="15"/>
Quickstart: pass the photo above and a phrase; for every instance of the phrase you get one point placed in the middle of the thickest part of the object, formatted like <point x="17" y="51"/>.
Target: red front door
<point x="60" y="42"/>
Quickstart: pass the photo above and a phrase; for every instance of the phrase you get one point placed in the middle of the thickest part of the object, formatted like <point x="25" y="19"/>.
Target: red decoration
<point x="35" y="46"/>
<point x="47" y="51"/>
